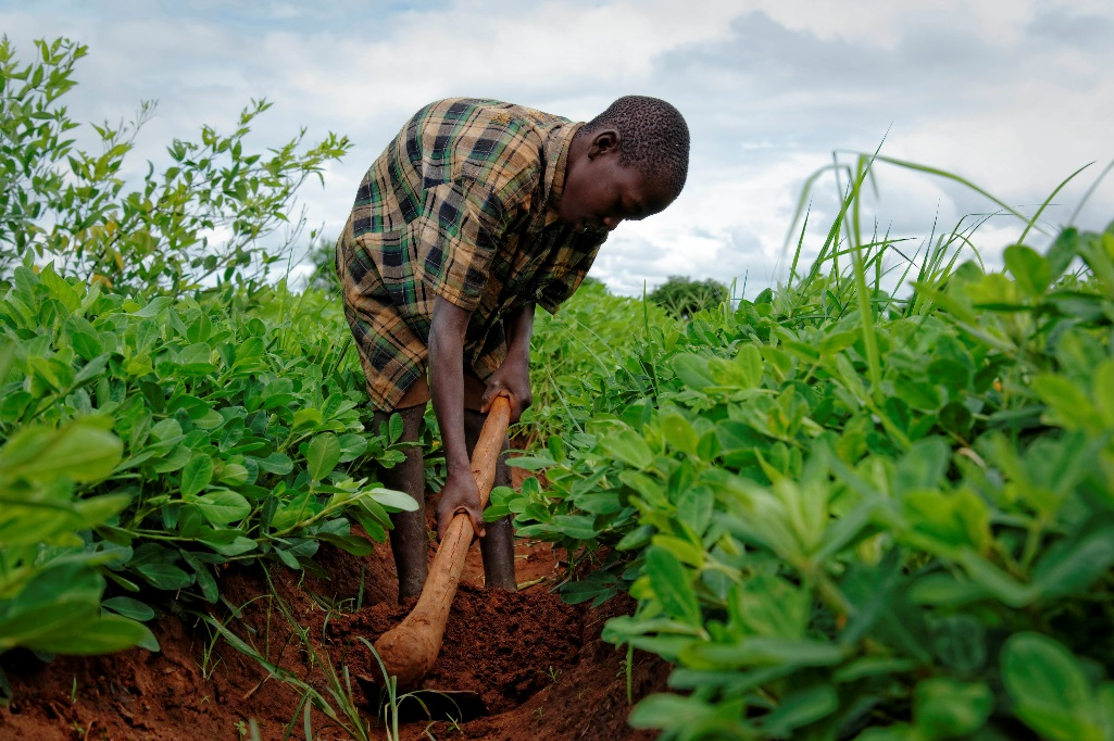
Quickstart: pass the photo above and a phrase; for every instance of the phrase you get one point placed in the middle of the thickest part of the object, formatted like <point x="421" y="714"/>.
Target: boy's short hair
<point x="654" y="137"/>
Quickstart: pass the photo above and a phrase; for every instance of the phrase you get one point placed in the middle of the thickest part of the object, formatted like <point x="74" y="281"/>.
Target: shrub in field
<point x="846" y="515"/>
<point x="59" y="202"/>
<point x="683" y="297"/>
<point x="242" y="437"/>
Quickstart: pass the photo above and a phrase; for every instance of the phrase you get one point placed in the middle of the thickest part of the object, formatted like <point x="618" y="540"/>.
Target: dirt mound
<point x="537" y="663"/>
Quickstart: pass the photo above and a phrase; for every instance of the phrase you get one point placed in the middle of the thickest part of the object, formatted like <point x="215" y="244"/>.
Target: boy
<point x="476" y="212"/>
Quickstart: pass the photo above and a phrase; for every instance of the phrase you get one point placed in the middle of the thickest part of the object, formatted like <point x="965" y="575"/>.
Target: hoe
<point x="409" y="650"/>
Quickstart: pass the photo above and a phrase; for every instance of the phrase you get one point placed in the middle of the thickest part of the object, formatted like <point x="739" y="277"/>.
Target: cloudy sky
<point x="1011" y="94"/>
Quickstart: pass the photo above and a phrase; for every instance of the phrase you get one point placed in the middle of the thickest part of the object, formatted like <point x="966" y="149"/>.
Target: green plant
<point x="60" y="202"/>
<point x="337" y="702"/>
<point x="240" y="434"/>
<point x="683" y="297"/>
<point x="50" y="586"/>
<point x="851" y="513"/>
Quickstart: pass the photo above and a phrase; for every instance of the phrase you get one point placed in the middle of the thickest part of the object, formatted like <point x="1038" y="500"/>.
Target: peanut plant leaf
<point x="197" y="474"/>
<point x="1049" y="689"/>
<point x="671" y="585"/>
<point x="945" y="708"/>
<point x="629" y="447"/>
<point x="223" y="507"/>
<point x="323" y="455"/>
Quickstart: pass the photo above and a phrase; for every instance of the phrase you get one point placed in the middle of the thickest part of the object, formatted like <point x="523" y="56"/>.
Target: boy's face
<point x="600" y="193"/>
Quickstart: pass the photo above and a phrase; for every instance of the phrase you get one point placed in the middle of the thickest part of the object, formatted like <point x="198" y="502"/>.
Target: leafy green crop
<point x="50" y="590"/>
<point x="242" y="437"/>
<point x="163" y="410"/>
<point x="878" y="519"/>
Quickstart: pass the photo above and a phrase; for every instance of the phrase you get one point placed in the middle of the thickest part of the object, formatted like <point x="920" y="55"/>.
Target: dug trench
<point x="537" y="665"/>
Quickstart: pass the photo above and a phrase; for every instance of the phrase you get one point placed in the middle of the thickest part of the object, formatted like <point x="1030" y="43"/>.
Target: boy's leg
<point x="497" y="546"/>
<point x="408" y="538"/>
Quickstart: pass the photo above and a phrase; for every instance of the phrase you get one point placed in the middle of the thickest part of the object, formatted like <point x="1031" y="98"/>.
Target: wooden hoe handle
<point x="409" y="650"/>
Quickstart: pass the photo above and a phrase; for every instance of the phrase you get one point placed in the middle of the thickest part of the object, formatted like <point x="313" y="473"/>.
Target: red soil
<point x="538" y="664"/>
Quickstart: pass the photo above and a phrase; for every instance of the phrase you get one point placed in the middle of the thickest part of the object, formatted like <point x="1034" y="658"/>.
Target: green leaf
<point x="129" y="608"/>
<point x="223" y="507"/>
<point x="768" y="605"/>
<point x="276" y="463"/>
<point x="86" y="344"/>
<point x="1049" y="689"/>
<point x="197" y="474"/>
<point x="685" y="551"/>
<point x="396" y="501"/>
<point x="1071" y="568"/>
<point x="323" y="455"/>
<point x="80" y="451"/>
<point x="99" y="635"/>
<point x="577" y="527"/>
<point x="799" y="708"/>
<point x="763" y="651"/>
<point x="695" y="505"/>
<point x="155" y="307"/>
<point x="673" y="711"/>
<point x="1103" y="384"/>
<point x="1072" y="409"/>
<point x="944" y="708"/>
<point x="353" y="544"/>
<point x="163" y="575"/>
<point x="629" y="447"/>
<point x="204" y="576"/>
<point x="1032" y="272"/>
<point x="749" y="362"/>
<point x="671" y="584"/>
<point x="678" y="433"/>
<point x="693" y="372"/>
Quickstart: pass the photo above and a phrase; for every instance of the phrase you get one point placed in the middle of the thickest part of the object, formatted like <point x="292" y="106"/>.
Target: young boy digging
<point x="475" y="213"/>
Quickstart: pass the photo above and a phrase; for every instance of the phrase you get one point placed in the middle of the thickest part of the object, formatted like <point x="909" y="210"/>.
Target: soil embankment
<point x="538" y="664"/>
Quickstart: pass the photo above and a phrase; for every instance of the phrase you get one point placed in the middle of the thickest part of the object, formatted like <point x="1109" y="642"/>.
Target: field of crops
<point x="876" y="502"/>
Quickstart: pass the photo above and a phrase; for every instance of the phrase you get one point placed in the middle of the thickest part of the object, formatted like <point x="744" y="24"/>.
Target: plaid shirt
<point x="461" y="205"/>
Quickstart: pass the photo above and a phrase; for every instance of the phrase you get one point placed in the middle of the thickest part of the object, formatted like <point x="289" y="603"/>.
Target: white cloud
<point x="1012" y="94"/>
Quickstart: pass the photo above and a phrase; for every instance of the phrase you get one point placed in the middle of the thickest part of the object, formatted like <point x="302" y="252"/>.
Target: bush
<point x="683" y="297"/>
<point x="60" y="203"/>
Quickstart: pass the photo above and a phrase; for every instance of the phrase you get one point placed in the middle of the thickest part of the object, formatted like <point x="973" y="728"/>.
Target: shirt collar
<point x="557" y="147"/>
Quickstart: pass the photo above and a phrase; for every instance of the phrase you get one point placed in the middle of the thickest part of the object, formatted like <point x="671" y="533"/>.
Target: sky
<point x="1013" y="95"/>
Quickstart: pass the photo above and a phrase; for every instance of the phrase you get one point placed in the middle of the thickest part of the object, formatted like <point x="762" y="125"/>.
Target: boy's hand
<point x="460" y="495"/>
<point x="511" y="380"/>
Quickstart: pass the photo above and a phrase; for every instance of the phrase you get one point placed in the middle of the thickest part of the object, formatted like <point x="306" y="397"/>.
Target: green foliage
<point x="321" y="255"/>
<point x="61" y="203"/>
<point x="151" y="437"/>
<point x="239" y="428"/>
<point x="849" y="515"/>
<point x="576" y="352"/>
<point x="50" y="589"/>
<point x="683" y="297"/>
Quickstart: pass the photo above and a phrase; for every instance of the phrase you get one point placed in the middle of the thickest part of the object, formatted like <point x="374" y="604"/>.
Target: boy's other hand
<point x="513" y="381"/>
<point x="460" y="495"/>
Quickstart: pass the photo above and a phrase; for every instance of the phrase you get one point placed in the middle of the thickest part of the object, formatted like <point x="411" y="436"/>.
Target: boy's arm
<point x="446" y="385"/>
<point x="514" y="375"/>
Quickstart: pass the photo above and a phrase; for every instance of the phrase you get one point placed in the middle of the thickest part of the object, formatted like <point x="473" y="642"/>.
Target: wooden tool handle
<point x="409" y="650"/>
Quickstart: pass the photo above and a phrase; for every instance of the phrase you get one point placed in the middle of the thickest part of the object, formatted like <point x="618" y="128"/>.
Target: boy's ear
<point x="603" y="142"/>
